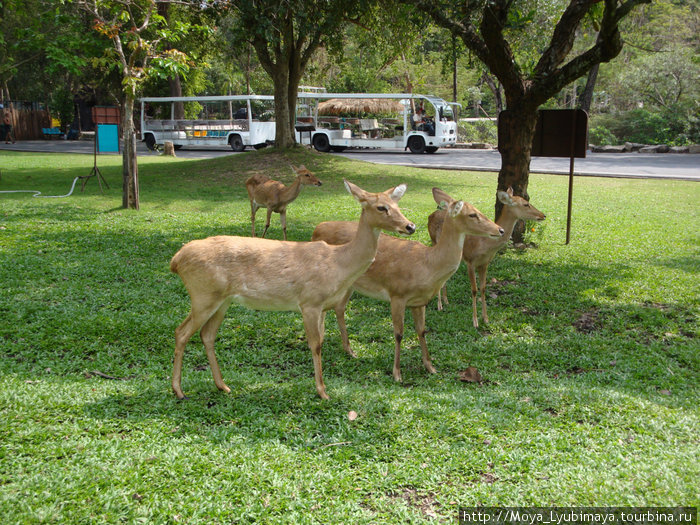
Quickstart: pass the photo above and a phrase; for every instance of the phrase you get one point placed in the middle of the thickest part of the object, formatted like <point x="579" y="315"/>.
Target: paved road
<point x="635" y="165"/>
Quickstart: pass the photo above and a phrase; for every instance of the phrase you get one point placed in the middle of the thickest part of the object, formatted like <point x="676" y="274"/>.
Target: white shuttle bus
<point x="336" y="121"/>
<point x="237" y="121"/>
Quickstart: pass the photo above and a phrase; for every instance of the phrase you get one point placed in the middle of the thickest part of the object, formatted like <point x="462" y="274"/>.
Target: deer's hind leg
<point x="267" y="221"/>
<point x="199" y="314"/>
<point x="253" y="210"/>
<point x="208" y="336"/>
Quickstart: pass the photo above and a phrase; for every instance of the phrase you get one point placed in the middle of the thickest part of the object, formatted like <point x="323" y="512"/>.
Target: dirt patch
<point x="424" y="502"/>
<point x="588" y="322"/>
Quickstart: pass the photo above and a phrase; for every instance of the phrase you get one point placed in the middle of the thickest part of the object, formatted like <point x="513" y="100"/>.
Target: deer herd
<point x="342" y="257"/>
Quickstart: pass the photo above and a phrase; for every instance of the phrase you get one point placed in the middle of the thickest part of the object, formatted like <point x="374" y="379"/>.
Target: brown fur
<point x="478" y="252"/>
<point x="408" y="273"/>
<point x="263" y="274"/>
<point x="264" y="192"/>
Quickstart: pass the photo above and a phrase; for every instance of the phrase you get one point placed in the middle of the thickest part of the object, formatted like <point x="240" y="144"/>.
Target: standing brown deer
<point x="479" y="251"/>
<point x="263" y="274"/>
<point x="264" y="192"/>
<point x="409" y="273"/>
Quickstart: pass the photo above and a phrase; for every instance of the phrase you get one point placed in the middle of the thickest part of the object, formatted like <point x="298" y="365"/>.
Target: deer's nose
<point x="410" y="228"/>
<point x="501" y="231"/>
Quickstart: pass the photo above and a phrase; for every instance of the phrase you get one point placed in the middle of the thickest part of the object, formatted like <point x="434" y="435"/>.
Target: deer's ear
<point x="357" y="192"/>
<point x="397" y="192"/>
<point x="442" y="198"/>
<point x="455" y="208"/>
<point x="506" y="197"/>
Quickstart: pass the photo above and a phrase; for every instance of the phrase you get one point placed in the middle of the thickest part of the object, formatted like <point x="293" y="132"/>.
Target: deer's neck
<point x="447" y="251"/>
<point x="506" y="220"/>
<point x="359" y="253"/>
<point x="291" y="192"/>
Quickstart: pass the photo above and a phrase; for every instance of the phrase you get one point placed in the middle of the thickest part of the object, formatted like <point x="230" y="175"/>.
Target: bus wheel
<point x="236" y="143"/>
<point x="416" y="144"/>
<point x="431" y="149"/>
<point x="150" y="141"/>
<point x="321" y="143"/>
<point x="338" y="149"/>
<point x="260" y="146"/>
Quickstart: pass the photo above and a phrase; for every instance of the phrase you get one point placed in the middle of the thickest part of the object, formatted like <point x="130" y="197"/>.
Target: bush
<point x="601" y="136"/>
<point x="478" y="131"/>
<point x="676" y="126"/>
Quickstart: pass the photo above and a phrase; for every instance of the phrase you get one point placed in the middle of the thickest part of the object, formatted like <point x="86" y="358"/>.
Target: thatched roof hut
<point x="337" y="106"/>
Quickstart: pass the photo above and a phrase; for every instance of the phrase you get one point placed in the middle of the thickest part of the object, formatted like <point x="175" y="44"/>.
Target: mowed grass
<point x="590" y="361"/>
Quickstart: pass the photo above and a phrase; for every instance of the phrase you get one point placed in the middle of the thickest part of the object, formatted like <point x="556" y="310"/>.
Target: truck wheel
<point x="150" y="141"/>
<point x="416" y="144"/>
<point x="236" y="143"/>
<point x="431" y="149"/>
<point x="321" y="143"/>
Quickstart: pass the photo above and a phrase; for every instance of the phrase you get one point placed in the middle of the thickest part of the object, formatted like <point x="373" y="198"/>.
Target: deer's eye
<point x="527" y="205"/>
<point x="383" y="208"/>
<point x="473" y="215"/>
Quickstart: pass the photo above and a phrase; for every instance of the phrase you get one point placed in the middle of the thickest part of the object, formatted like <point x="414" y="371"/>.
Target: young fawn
<point x="263" y="274"/>
<point x="479" y="251"/>
<point x="264" y="192"/>
<point x="409" y="273"/>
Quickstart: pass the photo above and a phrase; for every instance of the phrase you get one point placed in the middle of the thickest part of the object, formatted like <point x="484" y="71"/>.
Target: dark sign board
<point x="559" y="132"/>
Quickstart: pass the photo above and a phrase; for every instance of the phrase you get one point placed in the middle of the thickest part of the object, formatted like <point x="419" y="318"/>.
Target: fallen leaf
<point x="665" y="392"/>
<point x="470" y="375"/>
<point x="352" y="415"/>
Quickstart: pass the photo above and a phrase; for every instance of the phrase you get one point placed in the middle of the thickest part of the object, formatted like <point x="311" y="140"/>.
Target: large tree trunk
<point x="284" y="138"/>
<point x="516" y="131"/>
<point x="130" y="172"/>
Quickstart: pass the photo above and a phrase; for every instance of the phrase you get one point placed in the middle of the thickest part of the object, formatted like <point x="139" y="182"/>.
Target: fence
<point x="27" y="119"/>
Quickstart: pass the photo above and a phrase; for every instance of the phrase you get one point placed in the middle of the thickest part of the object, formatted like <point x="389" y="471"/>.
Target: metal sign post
<point x="562" y="133"/>
<point x="106" y="141"/>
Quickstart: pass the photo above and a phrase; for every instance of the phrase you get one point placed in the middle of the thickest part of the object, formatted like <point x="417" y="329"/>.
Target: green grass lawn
<point x="590" y="362"/>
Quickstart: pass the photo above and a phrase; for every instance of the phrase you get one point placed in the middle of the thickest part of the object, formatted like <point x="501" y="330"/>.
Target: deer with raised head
<point x="479" y="251"/>
<point x="264" y="192"/>
<point x="264" y="274"/>
<point x="409" y="273"/>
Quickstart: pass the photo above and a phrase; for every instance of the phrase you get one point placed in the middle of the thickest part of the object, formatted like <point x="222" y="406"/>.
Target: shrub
<point x="601" y="136"/>
<point x="478" y="131"/>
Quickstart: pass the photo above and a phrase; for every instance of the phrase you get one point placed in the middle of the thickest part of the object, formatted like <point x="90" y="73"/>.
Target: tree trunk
<point x="130" y="177"/>
<point x="176" y="91"/>
<point x="516" y="131"/>
<point x="586" y="98"/>
<point x="284" y="138"/>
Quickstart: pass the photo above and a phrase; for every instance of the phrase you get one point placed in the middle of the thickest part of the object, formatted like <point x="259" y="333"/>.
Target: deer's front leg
<point x="398" y="309"/>
<point x="342" y="327"/>
<point x="283" y="223"/>
<point x="419" y="323"/>
<point x="315" y="327"/>
<point x="472" y="280"/>
<point x="482" y="286"/>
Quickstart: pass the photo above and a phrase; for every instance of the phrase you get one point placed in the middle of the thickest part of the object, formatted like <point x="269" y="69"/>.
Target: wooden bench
<point x="51" y="132"/>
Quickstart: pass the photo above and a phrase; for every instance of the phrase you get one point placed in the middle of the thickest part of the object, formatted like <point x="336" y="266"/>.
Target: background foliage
<point x="48" y="49"/>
